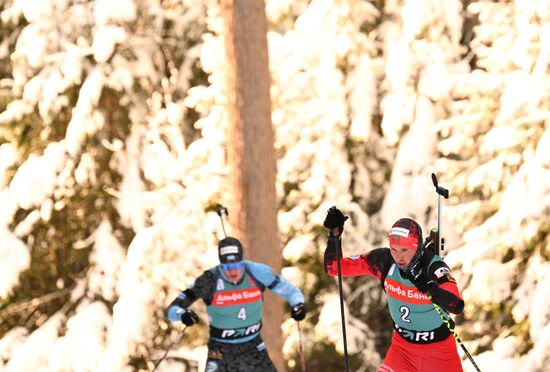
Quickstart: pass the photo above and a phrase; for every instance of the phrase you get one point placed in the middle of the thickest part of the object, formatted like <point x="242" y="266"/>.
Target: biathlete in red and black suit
<point x="409" y="275"/>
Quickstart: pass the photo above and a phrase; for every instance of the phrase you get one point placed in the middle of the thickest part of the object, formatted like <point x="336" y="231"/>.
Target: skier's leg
<point x="264" y="361"/>
<point x="398" y="357"/>
<point x="250" y="356"/>
<point x="441" y="356"/>
<point x="254" y="357"/>
<point x="214" y="360"/>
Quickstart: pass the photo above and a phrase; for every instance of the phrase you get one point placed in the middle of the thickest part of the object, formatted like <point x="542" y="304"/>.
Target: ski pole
<point x="452" y="329"/>
<point x="441" y="191"/>
<point x="220" y="211"/>
<point x="169" y="348"/>
<point x="341" y="293"/>
<point x="301" y="348"/>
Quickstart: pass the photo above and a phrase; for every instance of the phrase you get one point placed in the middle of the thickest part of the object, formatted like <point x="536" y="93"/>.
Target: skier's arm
<point x="445" y="293"/>
<point x="276" y="283"/>
<point x="369" y="264"/>
<point x="200" y="289"/>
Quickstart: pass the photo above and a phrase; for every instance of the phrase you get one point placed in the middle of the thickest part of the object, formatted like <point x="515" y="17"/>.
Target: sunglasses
<point x="232" y="266"/>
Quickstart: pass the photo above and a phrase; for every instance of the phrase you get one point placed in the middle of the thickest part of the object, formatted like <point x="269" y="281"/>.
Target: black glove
<point x="418" y="273"/>
<point x="334" y="221"/>
<point x="189" y="318"/>
<point x="424" y="284"/>
<point x="298" y="312"/>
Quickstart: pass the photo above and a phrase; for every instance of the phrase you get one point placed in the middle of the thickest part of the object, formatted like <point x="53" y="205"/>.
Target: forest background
<point x="113" y="152"/>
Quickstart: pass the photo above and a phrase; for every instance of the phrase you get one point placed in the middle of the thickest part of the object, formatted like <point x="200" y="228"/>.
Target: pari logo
<point x="424" y="336"/>
<point x="416" y="336"/>
<point x="241" y="332"/>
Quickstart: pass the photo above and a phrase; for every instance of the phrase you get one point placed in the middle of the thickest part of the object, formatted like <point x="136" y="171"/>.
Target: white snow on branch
<point x="35" y="352"/>
<point x="80" y="348"/>
<point x="85" y="120"/>
<point x="134" y="307"/>
<point x="106" y="11"/>
<point x="36" y="179"/>
<point x="107" y="257"/>
<point x="14" y="258"/>
<point x="106" y="39"/>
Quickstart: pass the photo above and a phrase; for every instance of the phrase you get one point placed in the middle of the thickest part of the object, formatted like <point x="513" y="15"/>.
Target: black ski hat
<point x="230" y="250"/>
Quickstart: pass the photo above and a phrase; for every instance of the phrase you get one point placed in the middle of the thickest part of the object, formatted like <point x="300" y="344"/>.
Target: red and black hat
<point x="406" y="233"/>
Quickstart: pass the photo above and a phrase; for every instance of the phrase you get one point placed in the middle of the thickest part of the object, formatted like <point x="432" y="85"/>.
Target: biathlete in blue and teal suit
<point x="233" y="294"/>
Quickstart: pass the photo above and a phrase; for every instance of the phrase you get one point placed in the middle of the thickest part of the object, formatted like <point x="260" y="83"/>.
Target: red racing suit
<point x="421" y="341"/>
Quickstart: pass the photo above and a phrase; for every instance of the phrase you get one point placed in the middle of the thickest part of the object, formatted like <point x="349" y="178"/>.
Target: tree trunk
<point x="251" y="156"/>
